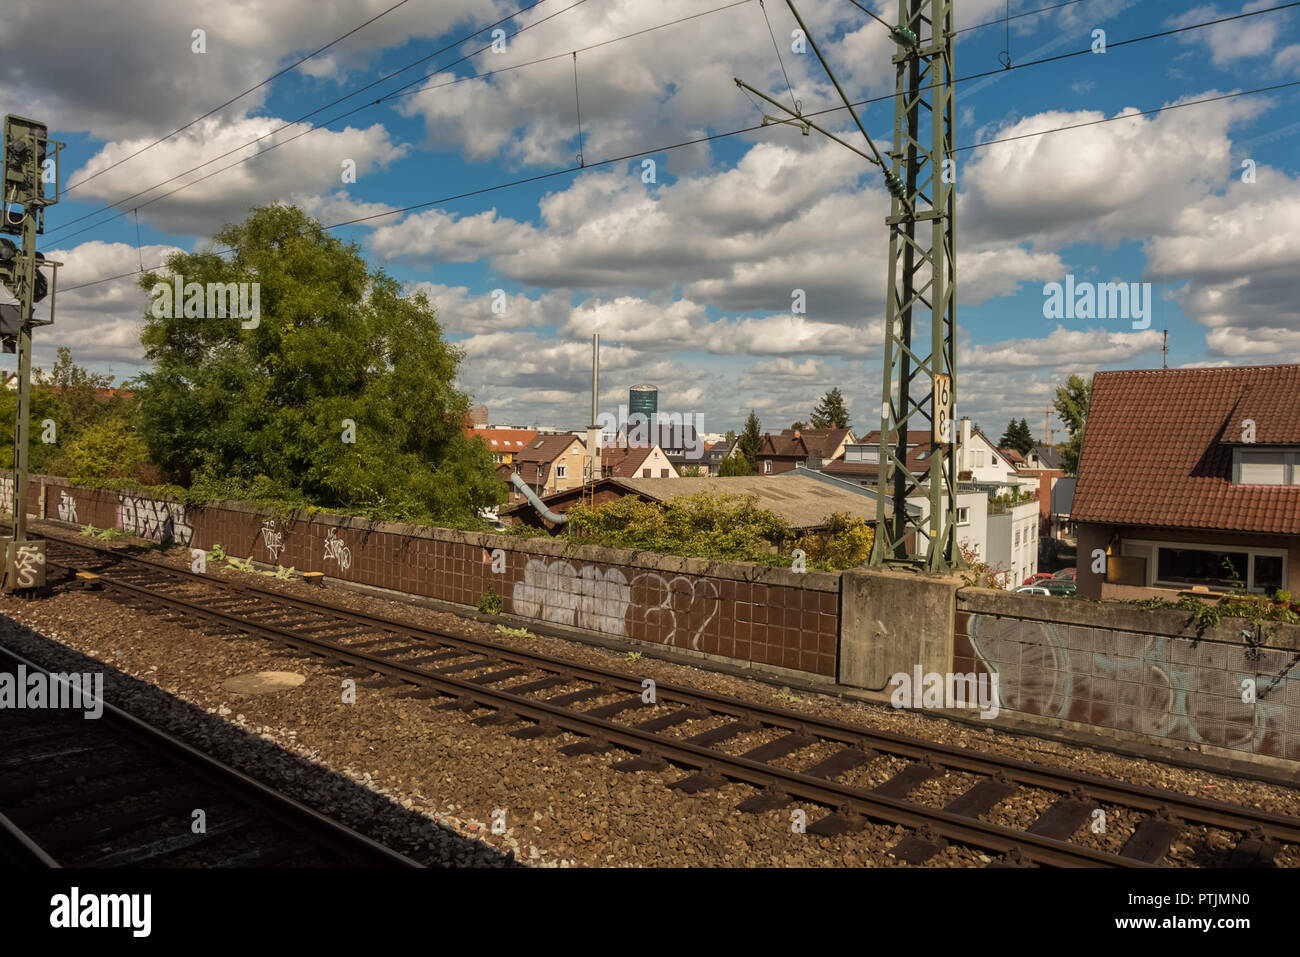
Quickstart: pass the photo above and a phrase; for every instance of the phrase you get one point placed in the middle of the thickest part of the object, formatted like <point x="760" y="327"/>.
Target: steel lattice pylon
<point x="922" y="279"/>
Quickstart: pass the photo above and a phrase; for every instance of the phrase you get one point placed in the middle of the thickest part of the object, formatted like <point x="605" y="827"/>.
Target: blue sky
<point x="689" y="278"/>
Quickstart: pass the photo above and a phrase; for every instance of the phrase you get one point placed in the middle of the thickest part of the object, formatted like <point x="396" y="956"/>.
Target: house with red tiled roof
<point x="1189" y="479"/>
<point x="550" y="463"/>
<point x="860" y="461"/>
<point x="811" y="448"/>
<point x="504" y="444"/>
<point x="639" y="462"/>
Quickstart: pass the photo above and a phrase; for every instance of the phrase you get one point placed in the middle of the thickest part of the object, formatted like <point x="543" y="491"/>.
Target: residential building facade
<point x="1189" y="480"/>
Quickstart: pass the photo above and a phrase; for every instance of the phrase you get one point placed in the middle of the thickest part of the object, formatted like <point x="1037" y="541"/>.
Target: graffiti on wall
<point x="67" y="507"/>
<point x="557" y="592"/>
<point x="599" y="601"/>
<point x="160" y="522"/>
<point x="7" y="494"/>
<point x="273" y="539"/>
<point x="675" y="600"/>
<point x="336" y="550"/>
<point x="1149" y="684"/>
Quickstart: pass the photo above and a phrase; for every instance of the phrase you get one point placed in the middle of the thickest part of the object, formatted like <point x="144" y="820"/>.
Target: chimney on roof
<point x="965" y="431"/>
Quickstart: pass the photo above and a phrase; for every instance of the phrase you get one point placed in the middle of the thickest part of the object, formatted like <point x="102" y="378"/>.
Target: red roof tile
<point x="1158" y="448"/>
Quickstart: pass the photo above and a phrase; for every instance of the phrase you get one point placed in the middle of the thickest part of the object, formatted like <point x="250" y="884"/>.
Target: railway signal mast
<point x="30" y="164"/>
<point x="920" y="175"/>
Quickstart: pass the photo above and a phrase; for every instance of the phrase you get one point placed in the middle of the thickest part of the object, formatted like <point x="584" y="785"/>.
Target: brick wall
<point x="1144" y="673"/>
<point x="752" y="613"/>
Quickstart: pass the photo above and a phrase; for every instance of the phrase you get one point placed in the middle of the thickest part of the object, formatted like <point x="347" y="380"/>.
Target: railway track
<point x="113" y="791"/>
<point x="688" y="728"/>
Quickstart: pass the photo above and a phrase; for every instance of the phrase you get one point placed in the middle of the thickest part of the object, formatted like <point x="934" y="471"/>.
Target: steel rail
<point x="245" y="789"/>
<point x="1189" y="809"/>
<point x="850" y="800"/>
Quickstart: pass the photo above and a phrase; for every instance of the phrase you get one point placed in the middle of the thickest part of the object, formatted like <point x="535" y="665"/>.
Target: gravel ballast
<point x="430" y="783"/>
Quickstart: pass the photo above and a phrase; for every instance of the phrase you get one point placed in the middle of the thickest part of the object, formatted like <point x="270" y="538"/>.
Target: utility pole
<point x="592" y="468"/>
<point x="919" y="174"/>
<point x="30" y="163"/>
<point x="921" y="389"/>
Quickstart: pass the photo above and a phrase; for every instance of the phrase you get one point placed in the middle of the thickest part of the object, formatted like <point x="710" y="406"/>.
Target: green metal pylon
<point x="918" y="389"/>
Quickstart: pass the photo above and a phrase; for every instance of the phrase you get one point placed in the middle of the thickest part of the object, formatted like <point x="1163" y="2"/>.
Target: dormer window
<point x="1279" y="466"/>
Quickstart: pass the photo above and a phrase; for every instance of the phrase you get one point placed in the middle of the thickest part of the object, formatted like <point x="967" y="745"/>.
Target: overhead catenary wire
<point x="239" y="96"/>
<point x="325" y="123"/>
<point x="577" y="103"/>
<point x="551" y="174"/>
<point x="404" y="91"/>
<point x="347" y="96"/>
<point x="794" y="101"/>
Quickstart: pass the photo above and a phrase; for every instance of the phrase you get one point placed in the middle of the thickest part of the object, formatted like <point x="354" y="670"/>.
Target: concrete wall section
<point x="892" y="622"/>
<point x="1146" y="673"/>
<point x="756" y="614"/>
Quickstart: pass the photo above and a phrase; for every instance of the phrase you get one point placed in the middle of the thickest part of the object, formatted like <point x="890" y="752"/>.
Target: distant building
<point x="644" y="462"/>
<point x="643" y="399"/>
<point x="504" y="444"/>
<point x="478" y="417"/>
<point x="807" y="504"/>
<point x="811" y="448"/>
<point x="549" y="463"/>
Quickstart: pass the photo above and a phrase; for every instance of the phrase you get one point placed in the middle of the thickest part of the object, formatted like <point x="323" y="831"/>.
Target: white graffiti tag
<point x="67" y="507"/>
<point x="26" y="560"/>
<point x="680" y="595"/>
<point x="273" y="538"/>
<point x="335" y="549"/>
<point x="160" y="522"/>
<point x="560" y="593"/>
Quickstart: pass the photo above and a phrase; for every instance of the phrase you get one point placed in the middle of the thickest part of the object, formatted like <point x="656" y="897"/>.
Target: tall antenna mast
<point x="593" y="472"/>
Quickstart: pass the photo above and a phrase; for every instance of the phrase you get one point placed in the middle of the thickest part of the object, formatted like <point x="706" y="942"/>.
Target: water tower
<point x="643" y="399"/>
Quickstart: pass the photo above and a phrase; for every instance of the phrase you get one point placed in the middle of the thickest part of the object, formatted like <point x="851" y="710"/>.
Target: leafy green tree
<point x="751" y="440"/>
<point x="1072" y="400"/>
<point x="1017" y="436"/>
<point x="799" y="426"/>
<point x="692" y="471"/>
<point x="831" y="412"/>
<point x="342" y="395"/>
<point x="107" y="448"/>
<point x="734" y="465"/>
<point x="731" y="435"/>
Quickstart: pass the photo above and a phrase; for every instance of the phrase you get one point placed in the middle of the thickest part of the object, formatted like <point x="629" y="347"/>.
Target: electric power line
<point x="403" y="91"/>
<point x="320" y="109"/>
<point x="695" y="142"/>
<point x="252" y="89"/>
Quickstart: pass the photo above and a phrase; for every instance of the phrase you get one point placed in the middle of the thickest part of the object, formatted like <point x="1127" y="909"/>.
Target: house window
<point x="1220" y="569"/>
<point x="645" y="473"/>
<point x="767" y="466"/>
<point x="560" y="471"/>
<point x="663" y="473"/>
<point x="1017" y="538"/>
<point x="498" y="458"/>
<point x="1266" y="467"/>
<point x="978" y="459"/>
<point x="963" y="516"/>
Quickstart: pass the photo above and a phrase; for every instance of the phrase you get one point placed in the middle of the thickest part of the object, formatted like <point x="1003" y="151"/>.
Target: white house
<point x="1005" y="537"/>
<point x="980" y="462"/>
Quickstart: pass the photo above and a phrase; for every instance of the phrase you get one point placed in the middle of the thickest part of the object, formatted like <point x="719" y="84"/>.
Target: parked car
<point x="1061" y="587"/>
<point x="1036" y="578"/>
<point x="1032" y="590"/>
<point x="1066" y="574"/>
